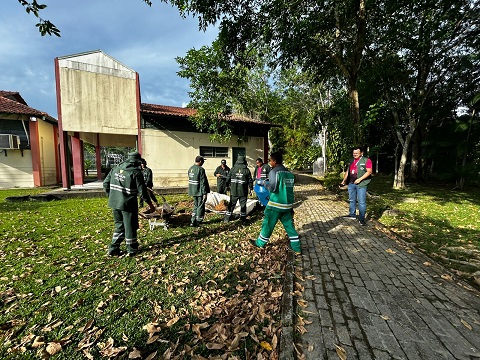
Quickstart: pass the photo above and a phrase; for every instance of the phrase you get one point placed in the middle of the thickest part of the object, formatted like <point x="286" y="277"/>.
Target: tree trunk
<point x="415" y="160"/>
<point x="355" y="111"/>
<point x="461" y="181"/>
<point x="399" y="182"/>
<point x="417" y="164"/>
<point x="350" y="67"/>
<point x="324" y="148"/>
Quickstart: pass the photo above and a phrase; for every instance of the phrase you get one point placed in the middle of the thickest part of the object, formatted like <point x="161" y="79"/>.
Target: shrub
<point x="332" y="180"/>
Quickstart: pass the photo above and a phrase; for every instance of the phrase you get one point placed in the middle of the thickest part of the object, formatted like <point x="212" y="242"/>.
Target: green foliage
<point x="89" y="148"/>
<point x="447" y="144"/>
<point x="302" y="157"/>
<point x="44" y="26"/>
<point x="221" y="87"/>
<point x="332" y="180"/>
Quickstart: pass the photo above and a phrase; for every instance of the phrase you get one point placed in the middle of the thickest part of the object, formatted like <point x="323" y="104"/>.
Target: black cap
<point x="223" y="162"/>
<point x="199" y="159"/>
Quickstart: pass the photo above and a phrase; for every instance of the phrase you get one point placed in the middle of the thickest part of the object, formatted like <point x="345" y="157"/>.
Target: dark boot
<point x="194" y="223"/>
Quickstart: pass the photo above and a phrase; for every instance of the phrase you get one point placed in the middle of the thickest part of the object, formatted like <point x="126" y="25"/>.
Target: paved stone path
<point x="368" y="296"/>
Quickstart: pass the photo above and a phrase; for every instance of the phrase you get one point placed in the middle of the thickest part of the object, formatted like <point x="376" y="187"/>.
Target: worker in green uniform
<point x="148" y="178"/>
<point x="280" y="205"/>
<point x="198" y="188"/>
<point x="221" y="173"/>
<point x="123" y="184"/>
<point x="240" y="181"/>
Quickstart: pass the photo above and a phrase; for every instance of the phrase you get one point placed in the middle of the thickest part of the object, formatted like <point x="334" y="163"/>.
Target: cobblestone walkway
<point x="367" y="296"/>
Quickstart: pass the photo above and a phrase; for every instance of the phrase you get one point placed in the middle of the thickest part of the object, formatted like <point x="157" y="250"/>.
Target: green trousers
<point x="270" y="220"/>
<point x="221" y="186"/>
<point x="233" y="203"/>
<point x="198" y="212"/>
<point x="126" y="226"/>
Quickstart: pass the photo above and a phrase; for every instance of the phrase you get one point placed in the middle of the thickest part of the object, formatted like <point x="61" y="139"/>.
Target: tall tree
<point x="416" y="55"/>
<point x="316" y="35"/>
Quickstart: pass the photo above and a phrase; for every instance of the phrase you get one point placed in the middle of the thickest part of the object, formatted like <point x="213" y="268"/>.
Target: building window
<point x="211" y="151"/>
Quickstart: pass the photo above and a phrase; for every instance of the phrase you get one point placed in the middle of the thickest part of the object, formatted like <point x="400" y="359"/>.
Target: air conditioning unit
<point x="9" y="141"/>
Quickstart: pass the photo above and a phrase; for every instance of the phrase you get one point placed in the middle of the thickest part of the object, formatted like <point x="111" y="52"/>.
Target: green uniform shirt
<point x="197" y="181"/>
<point x="123" y="184"/>
<point x="223" y="172"/>
<point x="280" y="185"/>
<point x="148" y="177"/>
<point x="240" y="179"/>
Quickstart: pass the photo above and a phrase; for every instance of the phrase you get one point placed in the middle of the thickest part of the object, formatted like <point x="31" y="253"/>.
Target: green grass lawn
<point x="191" y="292"/>
<point x="443" y="223"/>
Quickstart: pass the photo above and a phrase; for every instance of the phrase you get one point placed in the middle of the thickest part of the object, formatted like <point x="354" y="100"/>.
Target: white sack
<point x="214" y="198"/>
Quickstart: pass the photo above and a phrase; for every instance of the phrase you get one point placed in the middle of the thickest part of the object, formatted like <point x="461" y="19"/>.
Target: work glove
<point x="204" y="198"/>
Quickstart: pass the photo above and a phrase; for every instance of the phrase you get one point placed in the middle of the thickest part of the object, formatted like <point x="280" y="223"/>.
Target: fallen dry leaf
<point x="266" y="345"/>
<point x="301" y="329"/>
<point x="151" y="356"/>
<point x="53" y="348"/>
<point x="152" y="328"/>
<point x="87" y="326"/>
<point x="342" y="354"/>
<point x="135" y="354"/>
<point x="214" y="346"/>
<point x="390" y="251"/>
<point x="302" y="303"/>
<point x="172" y="321"/>
<point x="467" y="325"/>
<point x="39" y="341"/>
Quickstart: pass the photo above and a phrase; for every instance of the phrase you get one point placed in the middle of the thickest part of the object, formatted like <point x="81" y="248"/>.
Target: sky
<point x="145" y="39"/>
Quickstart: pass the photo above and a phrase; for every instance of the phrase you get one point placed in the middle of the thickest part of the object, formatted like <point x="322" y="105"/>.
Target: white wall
<point x="170" y="153"/>
<point x="98" y="103"/>
<point x="15" y="169"/>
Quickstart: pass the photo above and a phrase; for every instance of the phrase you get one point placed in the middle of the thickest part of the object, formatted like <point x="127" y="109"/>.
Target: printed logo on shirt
<point x="120" y="176"/>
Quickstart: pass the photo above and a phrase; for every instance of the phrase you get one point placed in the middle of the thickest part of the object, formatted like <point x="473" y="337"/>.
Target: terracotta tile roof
<point x="18" y="106"/>
<point x="186" y="112"/>
<point x="167" y="110"/>
<point x="13" y="95"/>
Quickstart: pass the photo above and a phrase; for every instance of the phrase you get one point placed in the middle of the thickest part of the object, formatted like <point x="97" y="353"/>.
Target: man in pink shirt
<point x="358" y="176"/>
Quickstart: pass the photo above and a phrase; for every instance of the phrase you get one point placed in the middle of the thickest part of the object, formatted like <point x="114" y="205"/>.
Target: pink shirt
<point x="353" y="168"/>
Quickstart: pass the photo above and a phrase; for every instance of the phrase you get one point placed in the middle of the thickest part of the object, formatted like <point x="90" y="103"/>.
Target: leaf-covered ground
<point x="192" y="293"/>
